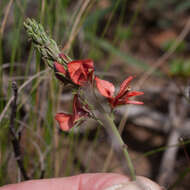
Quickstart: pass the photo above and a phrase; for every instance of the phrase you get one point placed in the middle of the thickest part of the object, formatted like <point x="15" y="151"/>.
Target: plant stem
<point x="121" y="145"/>
<point x="107" y="122"/>
<point x="50" y="52"/>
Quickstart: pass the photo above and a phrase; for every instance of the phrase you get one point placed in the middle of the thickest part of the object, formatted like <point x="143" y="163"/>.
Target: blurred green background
<point x="149" y="39"/>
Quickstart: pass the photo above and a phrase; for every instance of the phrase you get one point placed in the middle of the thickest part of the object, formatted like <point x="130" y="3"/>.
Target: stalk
<point x="120" y="144"/>
<point x="107" y="122"/>
<point x="50" y="53"/>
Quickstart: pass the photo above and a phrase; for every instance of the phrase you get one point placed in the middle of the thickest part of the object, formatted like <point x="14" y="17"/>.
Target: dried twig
<point x="41" y="159"/>
<point x="41" y="163"/>
<point x="169" y="157"/>
<point x="15" y="140"/>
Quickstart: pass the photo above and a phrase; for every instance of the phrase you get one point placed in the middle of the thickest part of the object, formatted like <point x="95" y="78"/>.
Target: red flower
<point x="67" y="121"/>
<point x="60" y="72"/>
<point x="107" y="89"/>
<point x="59" y="68"/>
<point x="79" y="111"/>
<point x="81" y="71"/>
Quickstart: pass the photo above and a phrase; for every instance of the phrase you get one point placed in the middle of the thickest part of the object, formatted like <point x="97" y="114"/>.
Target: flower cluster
<point x="67" y="121"/>
<point x="81" y="72"/>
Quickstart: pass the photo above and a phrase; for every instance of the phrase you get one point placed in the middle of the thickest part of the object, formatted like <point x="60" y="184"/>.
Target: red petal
<point x="81" y="70"/>
<point x="59" y="68"/>
<point x="78" y="110"/>
<point x="134" y="93"/>
<point x="76" y="107"/>
<point x="105" y="88"/>
<point x="78" y="77"/>
<point x="124" y="86"/>
<point x="73" y="67"/>
<point x="134" y="102"/>
<point x="65" y="121"/>
<point x="88" y="63"/>
<point x="76" y="70"/>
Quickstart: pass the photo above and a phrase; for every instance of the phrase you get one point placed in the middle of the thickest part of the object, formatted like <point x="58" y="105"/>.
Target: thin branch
<point x="41" y="163"/>
<point x="15" y="141"/>
<point x="177" y="115"/>
<point x="41" y="159"/>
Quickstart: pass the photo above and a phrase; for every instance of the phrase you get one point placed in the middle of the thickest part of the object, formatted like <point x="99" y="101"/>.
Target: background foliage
<point x="123" y="37"/>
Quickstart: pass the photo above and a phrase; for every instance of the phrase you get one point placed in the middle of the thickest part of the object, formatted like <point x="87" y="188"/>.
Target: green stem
<point x="108" y="123"/>
<point x="121" y="144"/>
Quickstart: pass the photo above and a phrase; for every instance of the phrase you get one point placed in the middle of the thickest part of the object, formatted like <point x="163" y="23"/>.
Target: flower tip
<point x="140" y="103"/>
<point x="135" y="102"/>
<point x="131" y="77"/>
<point x="139" y="93"/>
<point x="105" y="88"/>
<point x="64" y="120"/>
